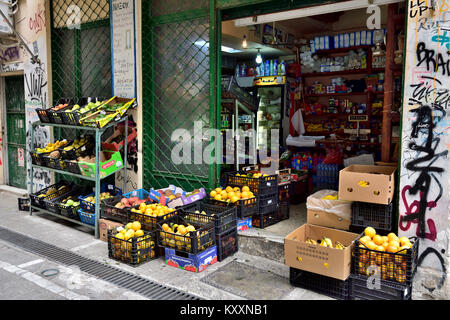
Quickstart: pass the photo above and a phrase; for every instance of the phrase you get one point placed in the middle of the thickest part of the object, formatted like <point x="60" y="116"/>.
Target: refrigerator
<point x="273" y="111"/>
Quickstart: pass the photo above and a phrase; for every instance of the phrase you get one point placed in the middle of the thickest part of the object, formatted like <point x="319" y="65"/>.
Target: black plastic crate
<point x="337" y="289"/>
<point x="54" y="163"/>
<point x="51" y="201"/>
<point x="268" y="203"/>
<point x="259" y="186"/>
<point x="378" y="216"/>
<point x="38" y="158"/>
<point x="105" y="187"/>
<point x="43" y="115"/>
<point x="56" y="116"/>
<point x="73" y="118"/>
<point x="190" y="242"/>
<point x="72" y="166"/>
<point x="109" y="211"/>
<point x="362" y="289"/>
<point x="135" y="251"/>
<point x="393" y="267"/>
<point x="70" y="212"/>
<point x="284" y="192"/>
<point x="85" y="149"/>
<point x="225" y="218"/>
<point x="262" y="221"/>
<point x="24" y="204"/>
<point x="227" y="244"/>
<point x="283" y="210"/>
<point x="244" y="208"/>
<point x="148" y="222"/>
<point x="38" y="201"/>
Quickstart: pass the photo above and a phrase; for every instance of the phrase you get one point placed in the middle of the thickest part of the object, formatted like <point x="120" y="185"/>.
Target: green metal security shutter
<point x="179" y="87"/>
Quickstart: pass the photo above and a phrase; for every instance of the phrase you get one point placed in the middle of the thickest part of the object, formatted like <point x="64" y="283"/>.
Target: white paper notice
<point x="123" y="48"/>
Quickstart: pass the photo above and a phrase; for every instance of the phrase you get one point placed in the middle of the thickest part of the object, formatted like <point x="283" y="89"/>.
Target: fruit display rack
<point x="97" y="179"/>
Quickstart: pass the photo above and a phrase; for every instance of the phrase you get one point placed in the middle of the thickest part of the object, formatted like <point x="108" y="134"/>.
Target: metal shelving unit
<point x="97" y="179"/>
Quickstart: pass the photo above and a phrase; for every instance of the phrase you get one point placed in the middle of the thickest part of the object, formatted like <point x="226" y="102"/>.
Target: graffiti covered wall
<point x="424" y="175"/>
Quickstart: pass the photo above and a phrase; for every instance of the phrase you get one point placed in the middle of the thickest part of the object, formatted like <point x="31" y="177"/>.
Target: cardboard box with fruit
<point x="393" y="258"/>
<point x="131" y="245"/>
<point x="110" y="162"/>
<point x="320" y="250"/>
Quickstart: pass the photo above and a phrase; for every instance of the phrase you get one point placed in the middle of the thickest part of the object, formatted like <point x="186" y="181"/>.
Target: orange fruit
<point x="365" y="239"/>
<point x="236" y="189"/>
<point x="394" y="243"/>
<point x="230" y="195"/>
<point x="385" y="245"/>
<point x="404" y="241"/>
<point x="245" y="195"/>
<point x="371" y="245"/>
<point x="218" y="197"/>
<point x="392" y="236"/>
<point x="229" y="189"/>
<point x="385" y="239"/>
<point x="391" y="248"/>
<point x="213" y="194"/>
<point x="245" y="189"/>
<point x="378" y="240"/>
<point x="251" y="195"/>
<point x="370" y="232"/>
<point x="380" y="248"/>
<point x="218" y="190"/>
<point x="238" y="194"/>
<point x="234" y="199"/>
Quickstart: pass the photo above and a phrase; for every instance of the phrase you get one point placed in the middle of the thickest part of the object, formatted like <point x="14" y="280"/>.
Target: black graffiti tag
<point x="436" y="63"/>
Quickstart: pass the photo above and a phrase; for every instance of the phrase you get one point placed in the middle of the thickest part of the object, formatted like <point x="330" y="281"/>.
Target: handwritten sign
<point x="123" y="51"/>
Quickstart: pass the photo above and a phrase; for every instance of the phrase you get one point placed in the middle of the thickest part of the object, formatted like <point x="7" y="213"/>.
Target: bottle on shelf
<point x="267" y="68"/>
<point x="243" y="70"/>
<point x="283" y="68"/>
<point x="237" y="72"/>
<point x="275" y="67"/>
<point x="271" y="68"/>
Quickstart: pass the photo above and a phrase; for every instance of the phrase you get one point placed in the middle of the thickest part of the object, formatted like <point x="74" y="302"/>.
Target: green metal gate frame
<point x="150" y="174"/>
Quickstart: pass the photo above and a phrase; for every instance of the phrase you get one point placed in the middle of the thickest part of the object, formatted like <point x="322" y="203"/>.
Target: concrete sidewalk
<point x="25" y="268"/>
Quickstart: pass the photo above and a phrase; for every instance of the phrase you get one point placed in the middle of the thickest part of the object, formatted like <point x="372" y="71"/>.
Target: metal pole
<point x="31" y="165"/>
<point x="97" y="179"/>
<point x="125" y="157"/>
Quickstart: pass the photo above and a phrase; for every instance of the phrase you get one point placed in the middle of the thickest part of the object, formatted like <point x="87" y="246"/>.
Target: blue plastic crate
<point x="90" y="206"/>
<point x="86" y="217"/>
<point x="142" y="194"/>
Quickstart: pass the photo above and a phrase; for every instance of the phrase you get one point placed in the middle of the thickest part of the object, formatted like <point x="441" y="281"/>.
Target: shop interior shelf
<point x="62" y="217"/>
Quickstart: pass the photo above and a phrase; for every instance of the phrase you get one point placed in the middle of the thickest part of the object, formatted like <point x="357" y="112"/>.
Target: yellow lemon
<point x="229" y="189"/>
<point x="213" y="194"/>
<point x="245" y="189"/>
<point x="136" y="225"/>
<point x="139" y="233"/>
<point x="370" y="232"/>
<point x="218" y="190"/>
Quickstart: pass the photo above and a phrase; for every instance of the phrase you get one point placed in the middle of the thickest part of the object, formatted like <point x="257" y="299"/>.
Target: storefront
<point x="353" y="90"/>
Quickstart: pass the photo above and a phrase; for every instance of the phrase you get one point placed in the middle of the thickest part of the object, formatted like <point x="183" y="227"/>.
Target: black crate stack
<point x="225" y="225"/>
<point x="284" y="196"/>
<point x="378" y="216"/>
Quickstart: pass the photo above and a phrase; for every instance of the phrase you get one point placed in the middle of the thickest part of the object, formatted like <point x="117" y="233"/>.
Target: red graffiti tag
<point x="414" y="208"/>
<point x="37" y="23"/>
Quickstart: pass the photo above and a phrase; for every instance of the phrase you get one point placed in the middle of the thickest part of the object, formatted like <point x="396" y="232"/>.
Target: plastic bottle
<point x="261" y="69"/>
<point x="237" y="73"/>
<point x="282" y="68"/>
<point x="243" y="70"/>
<point x="267" y="69"/>
<point x="275" y="67"/>
<point x="271" y="68"/>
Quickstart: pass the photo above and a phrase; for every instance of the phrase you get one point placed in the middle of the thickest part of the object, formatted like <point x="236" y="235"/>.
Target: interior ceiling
<point x="306" y="28"/>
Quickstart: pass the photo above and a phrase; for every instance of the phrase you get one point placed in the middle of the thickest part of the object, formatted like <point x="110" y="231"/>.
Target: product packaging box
<point x="191" y="262"/>
<point x="323" y="210"/>
<point x="110" y="162"/>
<point x="244" y="224"/>
<point x="104" y="225"/>
<point x="329" y="262"/>
<point x="373" y="184"/>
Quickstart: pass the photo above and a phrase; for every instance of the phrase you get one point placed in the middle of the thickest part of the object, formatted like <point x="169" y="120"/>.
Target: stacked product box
<point x="372" y="190"/>
<point x="225" y="225"/>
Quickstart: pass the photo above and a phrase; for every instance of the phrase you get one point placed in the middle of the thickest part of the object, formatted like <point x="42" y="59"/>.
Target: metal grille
<point x="81" y="55"/>
<point x="121" y="278"/>
<point x="176" y="88"/>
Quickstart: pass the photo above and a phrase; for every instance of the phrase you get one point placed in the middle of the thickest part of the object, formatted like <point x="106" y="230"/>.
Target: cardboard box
<point x="244" y="224"/>
<point x="373" y="184"/>
<point x="327" y="219"/>
<point x="329" y="262"/>
<point x="104" y="225"/>
<point x="191" y="262"/>
<point x="328" y="212"/>
<point x="110" y="162"/>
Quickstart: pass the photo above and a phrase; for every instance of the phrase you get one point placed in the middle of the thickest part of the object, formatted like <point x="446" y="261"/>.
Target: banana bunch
<point x="339" y="246"/>
<point x="326" y="242"/>
<point x="363" y="184"/>
<point x="311" y="241"/>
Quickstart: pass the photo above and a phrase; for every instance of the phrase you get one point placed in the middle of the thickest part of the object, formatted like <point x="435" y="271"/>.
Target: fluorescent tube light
<point x="226" y="49"/>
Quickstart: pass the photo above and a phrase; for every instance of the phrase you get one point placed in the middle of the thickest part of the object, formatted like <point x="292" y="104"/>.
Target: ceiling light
<point x="309" y="11"/>
<point x="226" y="49"/>
<point x="259" y="57"/>
<point x="244" y="42"/>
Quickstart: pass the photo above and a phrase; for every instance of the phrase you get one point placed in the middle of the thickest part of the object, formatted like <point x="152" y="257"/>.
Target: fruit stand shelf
<point x="336" y="73"/>
<point x="62" y="217"/>
<point x="97" y="178"/>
